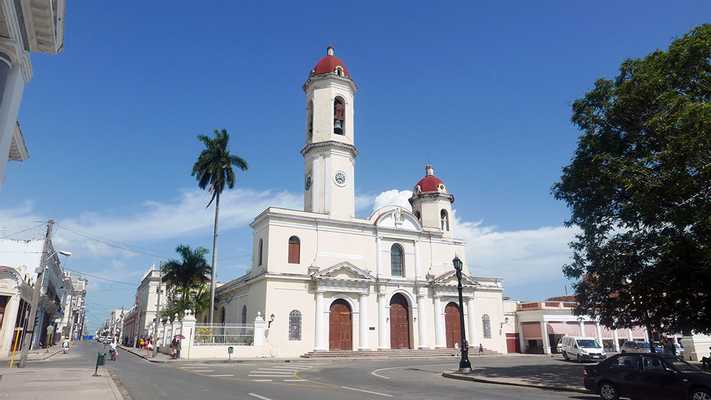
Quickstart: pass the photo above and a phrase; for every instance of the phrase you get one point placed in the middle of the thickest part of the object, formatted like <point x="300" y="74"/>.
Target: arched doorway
<point x="399" y="322"/>
<point x="340" y="326"/>
<point x="451" y="324"/>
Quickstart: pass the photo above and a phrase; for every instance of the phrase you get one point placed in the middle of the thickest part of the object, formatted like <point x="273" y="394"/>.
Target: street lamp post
<point x="464" y="364"/>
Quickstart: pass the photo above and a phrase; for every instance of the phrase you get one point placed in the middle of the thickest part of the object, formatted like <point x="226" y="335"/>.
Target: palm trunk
<point x="214" y="259"/>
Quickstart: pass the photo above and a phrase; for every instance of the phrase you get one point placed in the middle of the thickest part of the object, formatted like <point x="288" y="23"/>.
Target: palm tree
<point x="187" y="278"/>
<point x="213" y="170"/>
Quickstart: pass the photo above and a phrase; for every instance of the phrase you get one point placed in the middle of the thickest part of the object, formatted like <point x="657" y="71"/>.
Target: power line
<point x="22" y="231"/>
<point x="111" y="243"/>
<point x="132" y="284"/>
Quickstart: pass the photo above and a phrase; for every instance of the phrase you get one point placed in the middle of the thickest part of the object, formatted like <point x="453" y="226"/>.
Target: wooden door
<point x="399" y="323"/>
<point x="340" y="326"/>
<point x="513" y="343"/>
<point x="452" y="326"/>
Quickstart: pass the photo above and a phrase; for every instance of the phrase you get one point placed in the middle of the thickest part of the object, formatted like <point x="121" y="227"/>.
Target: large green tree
<point x="186" y="279"/>
<point x="639" y="188"/>
<point x="213" y="170"/>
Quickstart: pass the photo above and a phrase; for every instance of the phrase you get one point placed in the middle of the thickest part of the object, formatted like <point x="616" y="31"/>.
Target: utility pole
<point x="27" y="340"/>
<point x="155" y="324"/>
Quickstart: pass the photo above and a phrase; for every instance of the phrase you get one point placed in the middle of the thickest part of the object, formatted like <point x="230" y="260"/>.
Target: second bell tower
<point x="329" y="153"/>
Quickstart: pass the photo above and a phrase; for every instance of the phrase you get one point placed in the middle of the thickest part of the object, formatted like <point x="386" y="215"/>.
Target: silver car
<point x="633" y="346"/>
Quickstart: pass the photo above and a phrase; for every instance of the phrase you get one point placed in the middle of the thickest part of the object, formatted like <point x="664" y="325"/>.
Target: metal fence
<point x="224" y="334"/>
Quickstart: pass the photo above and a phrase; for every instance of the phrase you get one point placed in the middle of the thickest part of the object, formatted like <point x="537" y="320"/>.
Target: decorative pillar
<point x="421" y="320"/>
<point x="363" y="322"/>
<point x="320" y="328"/>
<point x="582" y="328"/>
<point x="260" y="327"/>
<point x="438" y="323"/>
<point x="629" y="334"/>
<point x="382" y="323"/>
<point x="474" y="338"/>
<point x="544" y="338"/>
<point x="187" y="329"/>
<point x="616" y="340"/>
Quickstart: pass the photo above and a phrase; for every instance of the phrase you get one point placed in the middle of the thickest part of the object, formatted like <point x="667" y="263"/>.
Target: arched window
<point x="260" y="247"/>
<point x="295" y="325"/>
<point x="339" y="116"/>
<point x="244" y="314"/>
<point x="294" y="250"/>
<point x="486" y="325"/>
<point x="396" y="260"/>
<point x="310" y="121"/>
<point x="417" y="214"/>
<point x="444" y="220"/>
<point x="339" y="70"/>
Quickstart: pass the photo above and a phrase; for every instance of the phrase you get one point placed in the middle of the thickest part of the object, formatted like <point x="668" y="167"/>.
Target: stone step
<point x="392" y="353"/>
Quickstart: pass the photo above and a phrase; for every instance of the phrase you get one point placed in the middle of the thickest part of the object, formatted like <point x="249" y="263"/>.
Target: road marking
<point x="201" y="370"/>
<point x="258" y="396"/>
<point x="267" y="376"/>
<point x="366" y="391"/>
<point x="261" y="380"/>
<point x="294" y="380"/>
<point x="375" y="372"/>
<point x="278" y="371"/>
<point x="221" y="375"/>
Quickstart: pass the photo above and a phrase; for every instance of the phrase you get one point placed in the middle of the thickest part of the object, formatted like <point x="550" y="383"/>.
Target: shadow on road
<point x="557" y="375"/>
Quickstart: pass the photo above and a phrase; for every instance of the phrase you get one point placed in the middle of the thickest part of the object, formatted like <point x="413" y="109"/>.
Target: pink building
<point x="541" y="325"/>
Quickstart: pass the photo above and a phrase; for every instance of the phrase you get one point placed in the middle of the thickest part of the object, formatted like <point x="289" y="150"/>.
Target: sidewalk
<point x="57" y="384"/>
<point x="541" y="374"/>
<point x="33" y="355"/>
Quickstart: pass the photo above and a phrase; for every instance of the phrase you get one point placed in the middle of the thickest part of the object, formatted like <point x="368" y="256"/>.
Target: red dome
<point x="330" y="64"/>
<point x="430" y="183"/>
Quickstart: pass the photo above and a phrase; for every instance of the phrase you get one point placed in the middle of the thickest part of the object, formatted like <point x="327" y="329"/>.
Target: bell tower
<point x="329" y="152"/>
<point x="432" y="203"/>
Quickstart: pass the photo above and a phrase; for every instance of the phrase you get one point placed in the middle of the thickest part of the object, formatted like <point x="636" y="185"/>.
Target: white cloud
<point x="153" y="220"/>
<point x="393" y="197"/>
<point x="520" y="257"/>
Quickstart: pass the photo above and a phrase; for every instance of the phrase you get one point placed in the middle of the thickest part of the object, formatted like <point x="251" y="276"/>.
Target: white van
<point x="581" y="348"/>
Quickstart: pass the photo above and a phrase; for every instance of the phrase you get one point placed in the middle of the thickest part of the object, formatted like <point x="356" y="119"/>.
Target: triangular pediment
<point x="344" y="270"/>
<point x="449" y="278"/>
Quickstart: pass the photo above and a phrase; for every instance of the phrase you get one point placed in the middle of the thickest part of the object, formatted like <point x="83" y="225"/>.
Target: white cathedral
<point x="328" y="281"/>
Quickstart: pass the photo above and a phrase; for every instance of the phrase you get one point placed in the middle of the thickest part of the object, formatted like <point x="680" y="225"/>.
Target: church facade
<point x="326" y="280"/>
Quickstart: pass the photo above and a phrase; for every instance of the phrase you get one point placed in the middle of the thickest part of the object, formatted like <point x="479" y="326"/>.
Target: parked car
<point x="634" y="346"/>
<point x="647" y="376"/>
<point x="581" y="348"/>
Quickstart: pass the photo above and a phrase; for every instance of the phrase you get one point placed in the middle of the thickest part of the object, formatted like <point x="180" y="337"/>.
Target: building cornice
<point x="329" y="77"/>
<point x="330" y="145"/>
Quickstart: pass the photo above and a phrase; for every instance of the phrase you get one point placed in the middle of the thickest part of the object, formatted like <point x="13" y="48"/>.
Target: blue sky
<point x="482" y="90"/>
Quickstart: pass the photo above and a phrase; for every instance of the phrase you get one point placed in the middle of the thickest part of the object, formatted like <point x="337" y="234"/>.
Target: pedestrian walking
<point x="481" y="348"/>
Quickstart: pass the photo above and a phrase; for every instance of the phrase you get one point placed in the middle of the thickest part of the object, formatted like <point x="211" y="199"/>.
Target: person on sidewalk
<point x="113" y="350"/>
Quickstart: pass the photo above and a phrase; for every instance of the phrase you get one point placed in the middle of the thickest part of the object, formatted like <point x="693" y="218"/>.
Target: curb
<point x="452" y="375"/>
<point x="30" y="360"/>
<point x="138" y="354"/>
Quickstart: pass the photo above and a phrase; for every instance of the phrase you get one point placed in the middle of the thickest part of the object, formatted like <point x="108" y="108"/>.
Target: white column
<point x="646" y="336"/>
<point x="187" y="329"/>
<point x="617" y="340"/>
<point x="363" y="322"/>
<point x="439" y="323"/>
<point x="473" y="333"/>
<point x="598" y="331"/>
<point x="320" y="327"/>
<point x="544" y="337"/>
<point x="582" y="328"/>
<point x="260" y="327"/>
<point x="9" y="107"/>
<point x="421" y="321"/>
<point x="7" y="330"/>
<point x="382" y="323"/>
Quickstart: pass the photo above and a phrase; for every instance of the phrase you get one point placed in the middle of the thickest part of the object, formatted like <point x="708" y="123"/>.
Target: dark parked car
<point x="648" y="376"/>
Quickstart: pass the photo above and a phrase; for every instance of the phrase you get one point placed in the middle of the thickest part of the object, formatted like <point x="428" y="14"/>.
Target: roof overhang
<point x="18" y="149"/>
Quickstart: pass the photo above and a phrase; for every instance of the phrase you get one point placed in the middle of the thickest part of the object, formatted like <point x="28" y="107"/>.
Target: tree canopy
<point x="186" y="280"/>
<point x="213" y="168"/>
<point x="639" y="188"/>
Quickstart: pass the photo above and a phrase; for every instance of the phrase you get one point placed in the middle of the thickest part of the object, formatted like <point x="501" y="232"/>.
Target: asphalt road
<point x="301" y="380"/>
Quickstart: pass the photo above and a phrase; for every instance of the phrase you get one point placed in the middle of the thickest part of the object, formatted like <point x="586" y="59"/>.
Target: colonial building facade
<point x="326" y="280"/>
